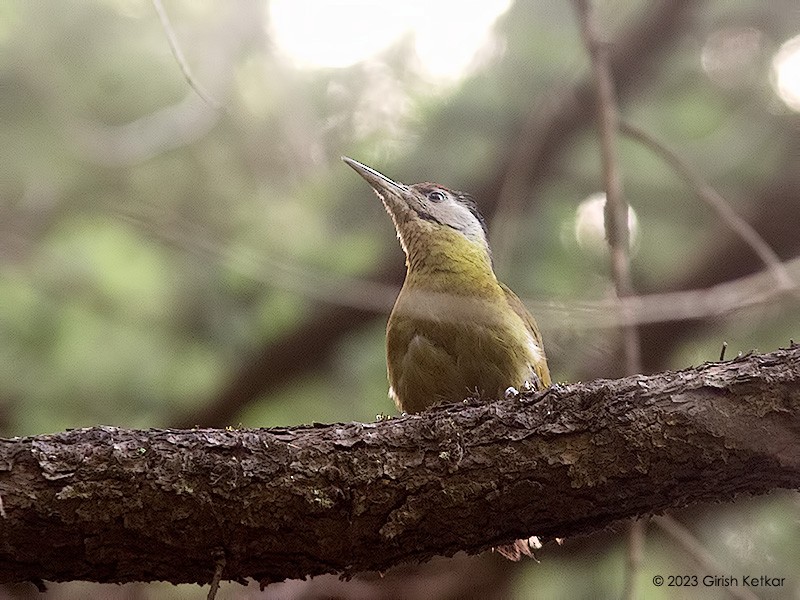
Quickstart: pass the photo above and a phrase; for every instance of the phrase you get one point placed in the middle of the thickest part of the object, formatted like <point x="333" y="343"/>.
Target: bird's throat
<point x="446" y="261"/>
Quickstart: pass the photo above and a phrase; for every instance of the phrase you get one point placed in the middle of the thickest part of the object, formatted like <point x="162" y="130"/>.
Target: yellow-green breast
<point x="455" y="331"/>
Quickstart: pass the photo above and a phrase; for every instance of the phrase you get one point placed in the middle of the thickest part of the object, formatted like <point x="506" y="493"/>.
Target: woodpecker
<point x="455" y="331"/>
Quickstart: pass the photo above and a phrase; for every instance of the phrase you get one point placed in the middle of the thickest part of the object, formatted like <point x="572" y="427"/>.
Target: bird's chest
<point x="444" y="347"/>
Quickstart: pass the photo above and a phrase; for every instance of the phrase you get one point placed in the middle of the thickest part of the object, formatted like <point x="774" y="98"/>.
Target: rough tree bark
<point x="112" y="505"/>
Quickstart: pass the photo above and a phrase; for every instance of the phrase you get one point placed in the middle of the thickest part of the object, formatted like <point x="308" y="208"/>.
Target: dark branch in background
<point x="728" y="279"/>
<point x="119" y="505"/>
<point x="716" y="201"/>
<point x="633" y="57"/>
<point x="775" y="219"/>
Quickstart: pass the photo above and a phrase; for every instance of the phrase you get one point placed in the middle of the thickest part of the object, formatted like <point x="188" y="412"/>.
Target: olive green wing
<point x="530" y="323"/>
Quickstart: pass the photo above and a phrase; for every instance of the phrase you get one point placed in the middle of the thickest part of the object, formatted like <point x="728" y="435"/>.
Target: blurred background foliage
<point x="153" y="247"/>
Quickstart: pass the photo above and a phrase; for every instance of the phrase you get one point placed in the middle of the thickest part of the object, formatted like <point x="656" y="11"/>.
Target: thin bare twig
<point x="219" y="566"/>
<point x="684" y="538"/>
<point x="175" y="47"/>
<point x="721" y="299"/>
<point x="716" y="201"/>
<point x="377" y="297"/>
<point x="616" y="225"/>
<point x="565" y="110"/>
<point x="616" y="208"/>
<point x="636" y="537"/>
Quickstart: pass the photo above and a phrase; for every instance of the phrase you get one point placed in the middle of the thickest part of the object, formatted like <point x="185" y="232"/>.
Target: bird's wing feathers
<point x="530" y="323"/>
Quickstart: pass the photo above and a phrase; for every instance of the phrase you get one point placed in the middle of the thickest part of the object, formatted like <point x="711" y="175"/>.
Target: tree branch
<point x="123" y="505"/>
<point x="616" y="206"/>
<point x="717" y="202"/>
<point x="175" y="48"/>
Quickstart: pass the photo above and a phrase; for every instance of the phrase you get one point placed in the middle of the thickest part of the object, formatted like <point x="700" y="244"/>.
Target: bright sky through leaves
<point x="447" y="33"/>
<point x="786" y="65"/>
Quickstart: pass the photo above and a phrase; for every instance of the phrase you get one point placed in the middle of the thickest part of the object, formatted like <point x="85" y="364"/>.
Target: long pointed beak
<point x="398" y="199"/>
<point x="379" y="182"/>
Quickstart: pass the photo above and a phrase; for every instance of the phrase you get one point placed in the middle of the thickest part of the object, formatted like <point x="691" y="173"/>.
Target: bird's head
<point x="426" y="212"/>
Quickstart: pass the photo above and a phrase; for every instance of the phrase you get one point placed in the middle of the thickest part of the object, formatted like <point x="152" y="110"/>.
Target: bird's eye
<point x="436" y="196"/>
